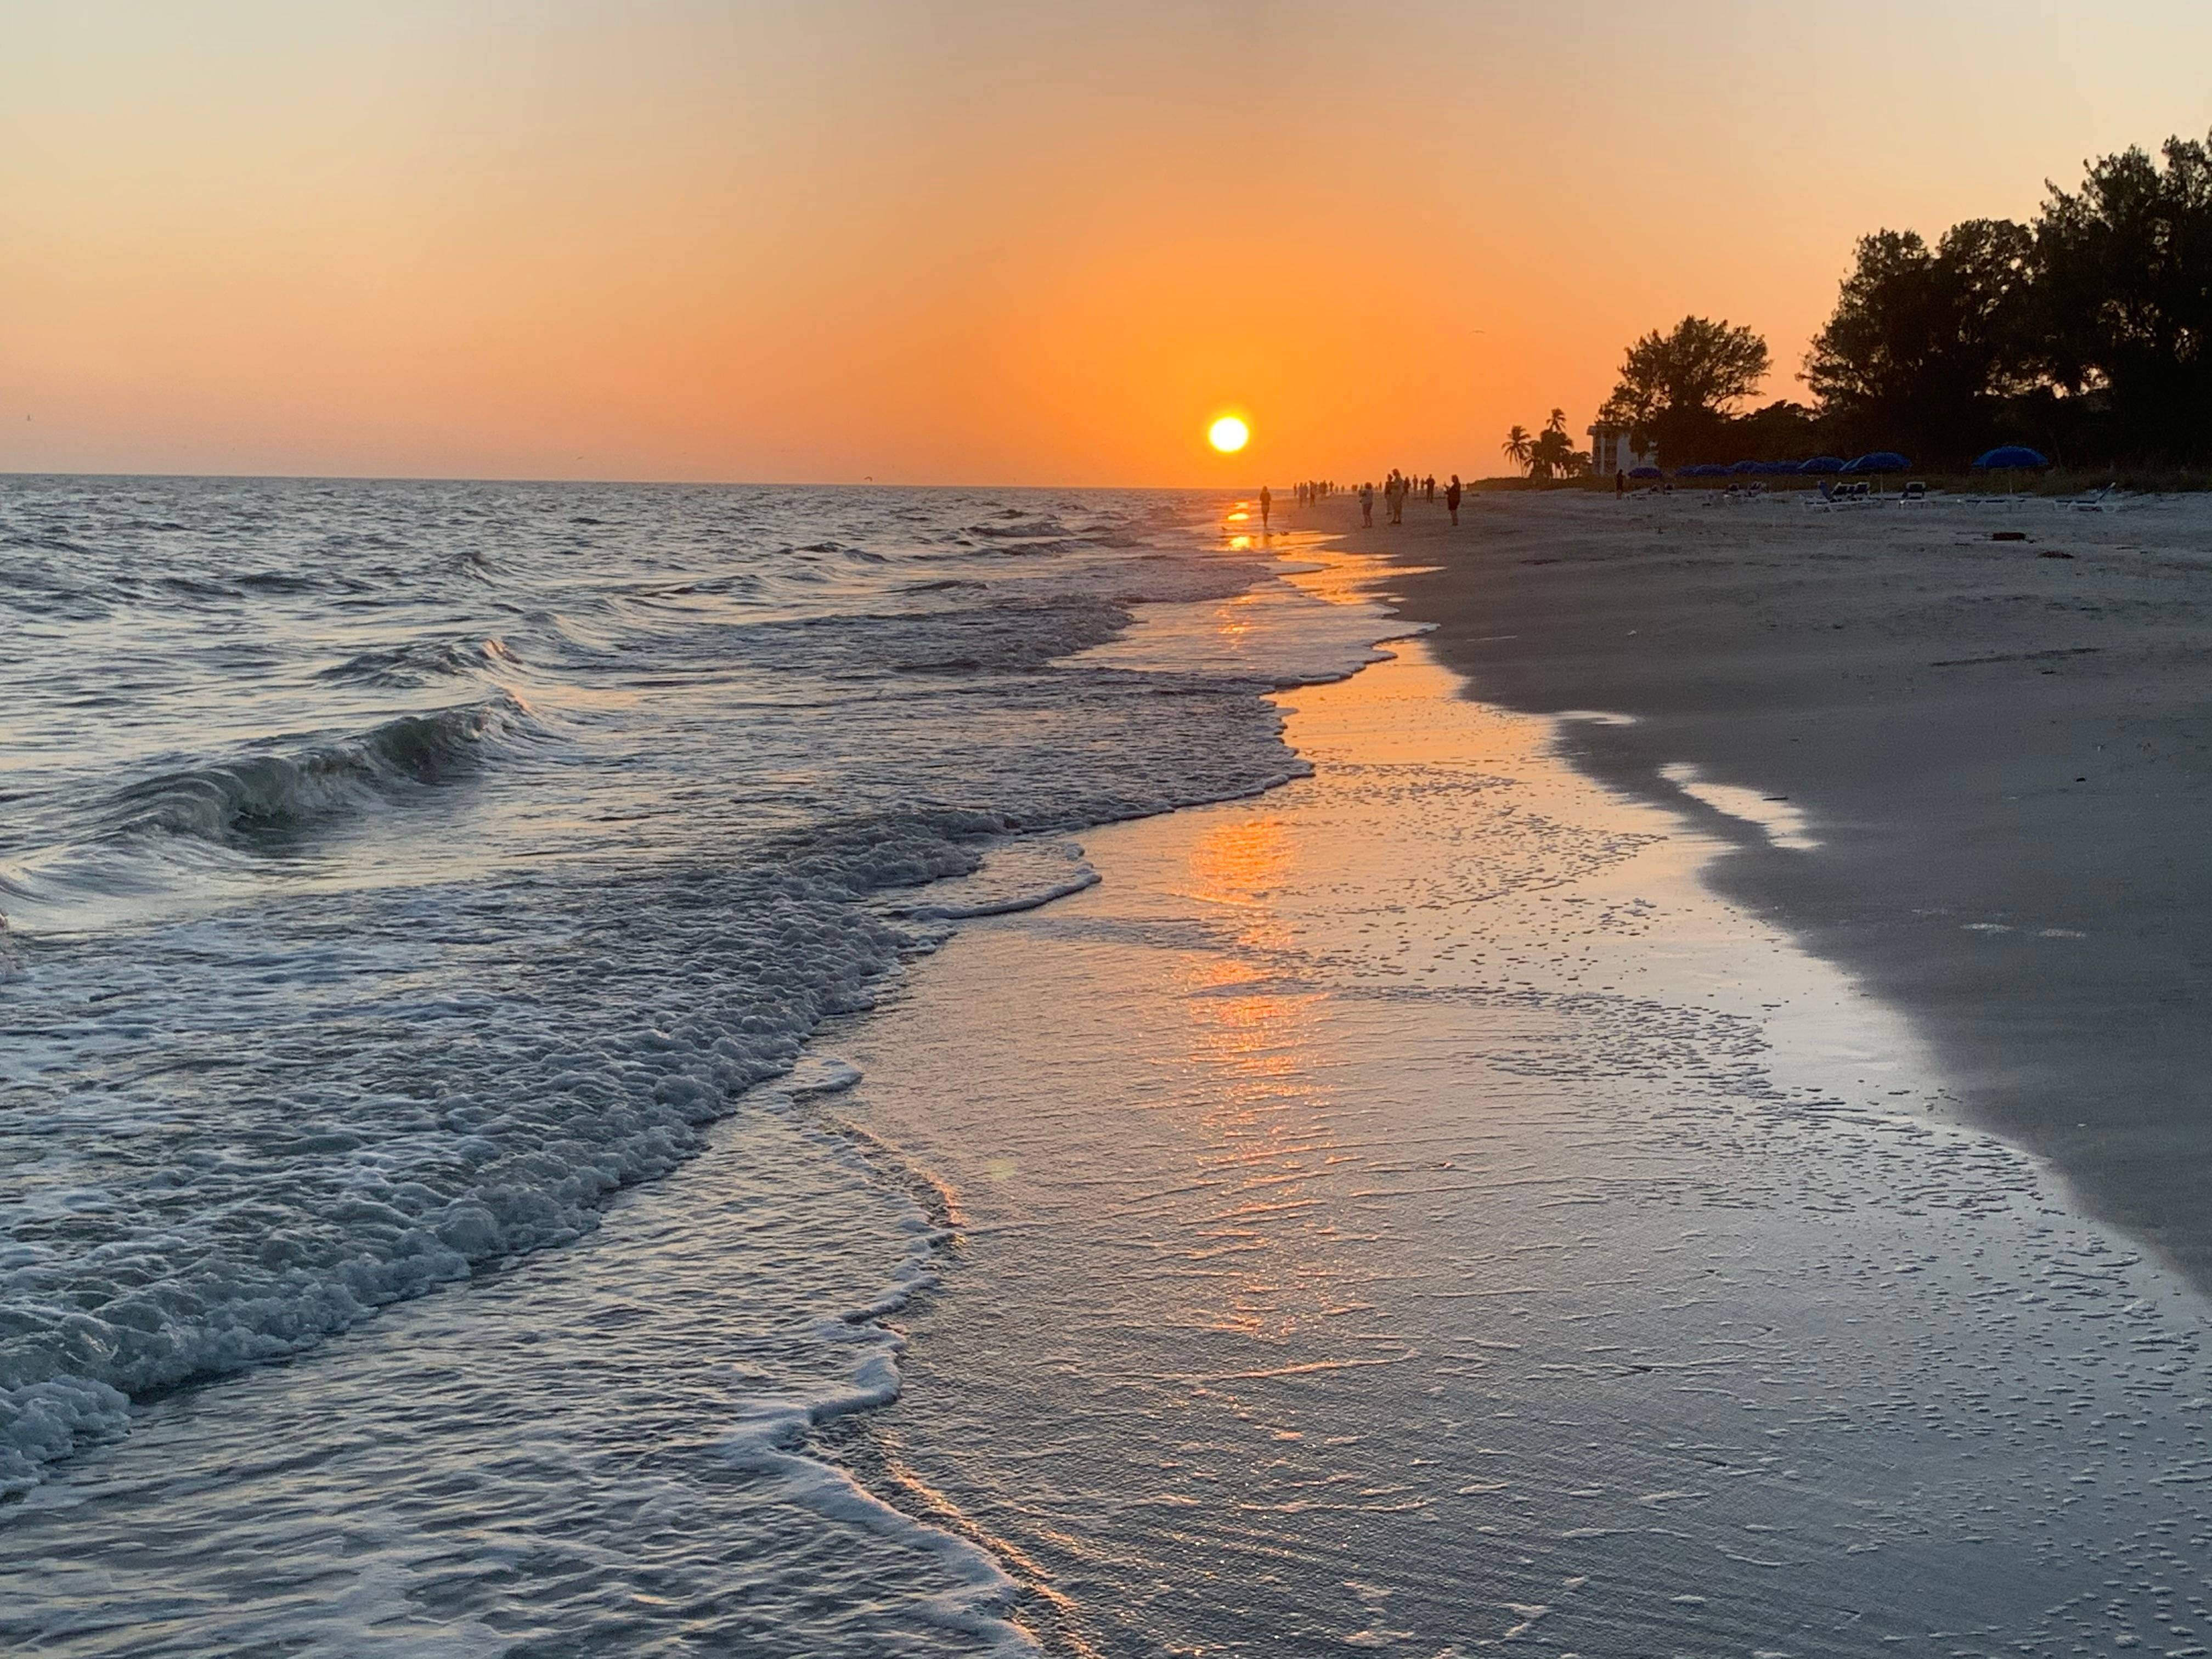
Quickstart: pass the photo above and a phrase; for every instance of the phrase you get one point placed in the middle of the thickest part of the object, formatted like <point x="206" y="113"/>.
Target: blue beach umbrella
<point x="2009" y="459"/>
<point x="1645" y="472"/>
<point x="1881" y="460"/>
<point x="1824" y="464"/>
<point x="1744" y="469"/>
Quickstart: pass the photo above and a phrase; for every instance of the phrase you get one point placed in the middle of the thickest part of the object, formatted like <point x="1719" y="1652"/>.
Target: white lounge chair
<point x="2095" y="502"/>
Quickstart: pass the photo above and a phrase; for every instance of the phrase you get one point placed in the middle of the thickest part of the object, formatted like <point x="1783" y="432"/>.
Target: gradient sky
<point x="970" y="241"/>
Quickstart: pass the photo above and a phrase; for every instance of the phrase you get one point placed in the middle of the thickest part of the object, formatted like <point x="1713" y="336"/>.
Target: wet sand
<point x="1409" y="1211"/>
<point x="2004" y="758"/>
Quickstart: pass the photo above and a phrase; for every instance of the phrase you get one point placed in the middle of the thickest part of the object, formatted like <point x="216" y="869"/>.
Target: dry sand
<point x="2004" y="758"/>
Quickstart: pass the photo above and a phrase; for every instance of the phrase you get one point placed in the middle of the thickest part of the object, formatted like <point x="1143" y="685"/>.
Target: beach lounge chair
<point x="1915" y="491"/>
<point x="2095" y="501"/>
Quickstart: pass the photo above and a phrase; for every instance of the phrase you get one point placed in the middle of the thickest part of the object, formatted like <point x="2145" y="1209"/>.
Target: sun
<point x="1228" y="435"/>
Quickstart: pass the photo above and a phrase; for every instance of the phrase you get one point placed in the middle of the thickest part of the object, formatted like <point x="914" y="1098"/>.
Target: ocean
<point x="395" y="873"/>
<point x="603" y="1070"/>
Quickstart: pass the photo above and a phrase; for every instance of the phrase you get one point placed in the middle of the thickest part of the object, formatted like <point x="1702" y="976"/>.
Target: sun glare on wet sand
<point x="1228" y="435"/>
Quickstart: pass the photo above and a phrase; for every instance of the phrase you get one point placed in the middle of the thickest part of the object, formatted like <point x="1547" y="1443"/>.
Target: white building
<point x="1613" y="449"/>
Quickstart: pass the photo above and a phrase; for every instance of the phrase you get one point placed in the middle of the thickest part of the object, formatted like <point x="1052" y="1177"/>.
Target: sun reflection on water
<point x="1240" y="862"/>
<point x="1263" y="1131"/>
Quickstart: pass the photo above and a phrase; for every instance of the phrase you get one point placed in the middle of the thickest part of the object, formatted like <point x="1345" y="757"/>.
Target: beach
<point x="2005" y="754"/>
<point x="939" y="1073"/>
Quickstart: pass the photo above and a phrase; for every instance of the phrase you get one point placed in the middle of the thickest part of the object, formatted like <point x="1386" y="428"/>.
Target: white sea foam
<point x="626" y="1438"/>
<point x="1015" y="875"/>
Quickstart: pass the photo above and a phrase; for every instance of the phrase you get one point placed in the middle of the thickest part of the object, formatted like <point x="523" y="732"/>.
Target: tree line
<point x="2087" y="332"/>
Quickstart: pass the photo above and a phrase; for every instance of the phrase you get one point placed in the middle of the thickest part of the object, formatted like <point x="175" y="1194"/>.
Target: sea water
<point x="394" y="873"/>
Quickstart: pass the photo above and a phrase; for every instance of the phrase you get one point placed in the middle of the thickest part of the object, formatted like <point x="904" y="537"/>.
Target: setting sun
<point x="1228" y="435"/>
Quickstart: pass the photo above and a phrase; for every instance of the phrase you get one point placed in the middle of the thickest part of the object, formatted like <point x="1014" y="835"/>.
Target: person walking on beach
<point x="1367" y="505"/>
<point x="1451" y="497"/>
<point x="1267" y="506"/>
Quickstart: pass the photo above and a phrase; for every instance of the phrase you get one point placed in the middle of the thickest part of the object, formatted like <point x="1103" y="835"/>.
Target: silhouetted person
<point x="1451" y="497"/>
<point x="1367" y="505"/>
<point x="1267" y="506"/>
<point x="1620" y="484"/>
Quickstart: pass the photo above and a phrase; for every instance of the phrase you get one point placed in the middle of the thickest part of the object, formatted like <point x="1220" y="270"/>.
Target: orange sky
<point x="969" y="242"/>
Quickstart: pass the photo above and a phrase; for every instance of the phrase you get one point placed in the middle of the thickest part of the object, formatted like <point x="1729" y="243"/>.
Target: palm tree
<point x="1557" y="423"/>
<point x="1555" y="456"/>
<point x="1518" y="446"/>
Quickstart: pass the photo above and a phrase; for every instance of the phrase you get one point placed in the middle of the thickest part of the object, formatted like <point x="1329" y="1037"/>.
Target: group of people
<point x="1395" y="489"/>
<point x="1398" y="486"/>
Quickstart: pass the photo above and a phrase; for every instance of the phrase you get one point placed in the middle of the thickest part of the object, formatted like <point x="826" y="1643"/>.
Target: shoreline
<point x="1407" y="1204"/>
<point x="2002" y="756"/>
<point x="1411" y="1208"/>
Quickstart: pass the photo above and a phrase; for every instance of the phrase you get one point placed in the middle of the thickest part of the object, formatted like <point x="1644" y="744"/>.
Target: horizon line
<point x="649" y="484"/>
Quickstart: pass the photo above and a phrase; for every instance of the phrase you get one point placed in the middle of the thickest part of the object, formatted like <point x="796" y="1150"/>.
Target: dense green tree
<point x="2124" y="280"/>
<point x="1782" y="431"/>
<point x="2089" y="333"/>
<point x="1554" y="455"/>
<point x="1926" y="343"/>
<point x="1675" y="388"/>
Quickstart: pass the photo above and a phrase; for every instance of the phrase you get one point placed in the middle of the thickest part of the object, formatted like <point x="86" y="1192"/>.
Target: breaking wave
<point x="257" y="793"/>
